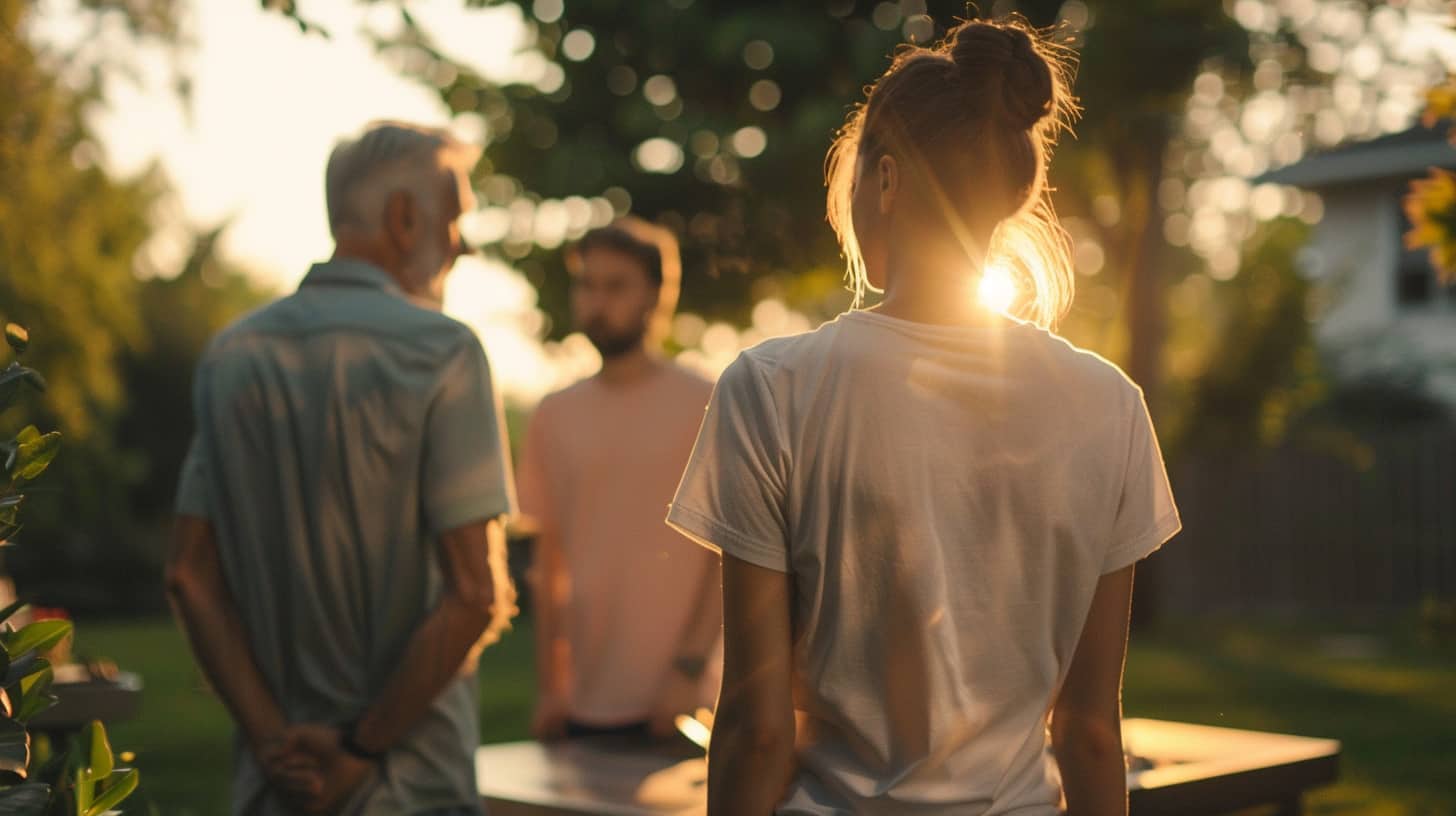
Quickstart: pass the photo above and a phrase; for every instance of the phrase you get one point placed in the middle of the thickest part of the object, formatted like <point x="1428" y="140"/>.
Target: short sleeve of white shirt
<point x="1146" y="515"/>
<point x="731" y="498"/>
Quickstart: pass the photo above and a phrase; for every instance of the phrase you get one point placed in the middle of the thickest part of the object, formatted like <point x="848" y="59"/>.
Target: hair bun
<point x="1000" y="63"/>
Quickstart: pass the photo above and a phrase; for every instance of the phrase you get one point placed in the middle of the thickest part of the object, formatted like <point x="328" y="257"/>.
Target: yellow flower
<point x="1431" y="207"/>
<point x="1440" y="102"/>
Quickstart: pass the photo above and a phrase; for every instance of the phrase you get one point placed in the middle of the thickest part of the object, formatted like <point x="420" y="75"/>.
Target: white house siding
<point x="1366" y="335"/>
<point x="1352" y="254"/>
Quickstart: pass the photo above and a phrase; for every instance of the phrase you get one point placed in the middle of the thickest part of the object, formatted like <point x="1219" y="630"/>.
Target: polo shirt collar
<point x="350" y="272"/>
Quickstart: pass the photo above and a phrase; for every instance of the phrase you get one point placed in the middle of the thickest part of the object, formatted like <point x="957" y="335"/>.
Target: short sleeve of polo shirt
<point x="466" y="470"/>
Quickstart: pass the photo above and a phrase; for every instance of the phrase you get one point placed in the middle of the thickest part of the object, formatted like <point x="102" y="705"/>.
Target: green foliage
<point x="36" y="637"/>
<point x="753" y="225"/>
<point x="119" y="349"/>
<point x="181" y="313"/>
<point x="27" y="455"/>
<point x="77" y="285"/>
<point x="68" y="234"/>
<point x="84" y="781"/>
<point x="1260" y="368"/>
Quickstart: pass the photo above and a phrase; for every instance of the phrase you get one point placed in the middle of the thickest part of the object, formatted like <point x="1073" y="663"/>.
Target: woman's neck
<point x="923" y="290"/>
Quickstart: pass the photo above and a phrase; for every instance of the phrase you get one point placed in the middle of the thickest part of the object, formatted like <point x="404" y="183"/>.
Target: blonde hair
<point x="973" y="119"/>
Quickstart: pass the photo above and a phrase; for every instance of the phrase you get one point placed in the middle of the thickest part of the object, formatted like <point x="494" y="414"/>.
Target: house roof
<point x="1402" y="155"/>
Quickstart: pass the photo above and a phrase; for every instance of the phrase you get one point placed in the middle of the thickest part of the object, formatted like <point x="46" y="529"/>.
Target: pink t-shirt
<point x="599" y="467"/>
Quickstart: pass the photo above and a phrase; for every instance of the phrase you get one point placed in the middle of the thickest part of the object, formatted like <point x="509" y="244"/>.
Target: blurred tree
<point x="181" y="314"/>
<point x="78" y="290"/>
<point x="1134" y="83"/>
<point x="714" y="118"/>
<point x="118" y="351"/>
<point x="1260" y="370"/>
<point x="67" y="236"/>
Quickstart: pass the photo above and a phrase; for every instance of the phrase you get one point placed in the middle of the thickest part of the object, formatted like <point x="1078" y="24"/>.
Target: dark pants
<point x="575" y="730"/>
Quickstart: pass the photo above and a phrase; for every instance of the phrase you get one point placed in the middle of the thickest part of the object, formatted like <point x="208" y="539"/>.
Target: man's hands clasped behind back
<point x="308" y="767"/>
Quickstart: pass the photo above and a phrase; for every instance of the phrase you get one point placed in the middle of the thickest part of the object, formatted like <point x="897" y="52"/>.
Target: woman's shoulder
<point x="770" y="363"/>
<point x="1079" y="367"/>
<point x="776" y="353"/>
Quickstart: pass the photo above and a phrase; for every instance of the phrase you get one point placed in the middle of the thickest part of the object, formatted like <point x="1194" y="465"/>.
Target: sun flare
<point x="996" y="289"/>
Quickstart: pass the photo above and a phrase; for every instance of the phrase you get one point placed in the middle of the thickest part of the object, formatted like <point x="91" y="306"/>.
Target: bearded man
<point x="627" y="611"/>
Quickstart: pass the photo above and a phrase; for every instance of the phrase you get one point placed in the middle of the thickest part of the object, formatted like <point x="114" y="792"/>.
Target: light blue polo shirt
<point x="340" y="430"/>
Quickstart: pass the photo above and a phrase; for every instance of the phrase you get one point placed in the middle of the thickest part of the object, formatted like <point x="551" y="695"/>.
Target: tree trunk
<point x="1146" y="307"/>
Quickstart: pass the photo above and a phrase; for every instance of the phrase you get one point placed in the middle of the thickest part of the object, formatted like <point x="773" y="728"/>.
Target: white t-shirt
<point x="946" y="499"/>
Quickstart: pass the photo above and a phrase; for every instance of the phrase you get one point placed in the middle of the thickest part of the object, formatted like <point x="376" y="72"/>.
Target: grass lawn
<point x="1394" y="709"/>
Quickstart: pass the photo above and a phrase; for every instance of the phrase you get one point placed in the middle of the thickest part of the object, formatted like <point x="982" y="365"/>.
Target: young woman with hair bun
<point x="929" y="510"/>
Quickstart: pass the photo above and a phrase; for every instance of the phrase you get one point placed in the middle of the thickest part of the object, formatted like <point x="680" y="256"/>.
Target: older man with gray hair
<point x="338" y="558"/>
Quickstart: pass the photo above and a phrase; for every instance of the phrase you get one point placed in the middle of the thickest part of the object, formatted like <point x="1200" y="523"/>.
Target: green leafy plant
<point x="34" y="780"/>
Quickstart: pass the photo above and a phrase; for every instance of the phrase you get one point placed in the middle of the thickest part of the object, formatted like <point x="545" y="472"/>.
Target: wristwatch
<point x="348" y="740"/>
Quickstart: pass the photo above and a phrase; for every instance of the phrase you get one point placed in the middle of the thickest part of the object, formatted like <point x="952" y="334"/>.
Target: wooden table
<point x="1185" y="770"/>
<point x="81" y="699"/>
<point x="1200" y="770"/>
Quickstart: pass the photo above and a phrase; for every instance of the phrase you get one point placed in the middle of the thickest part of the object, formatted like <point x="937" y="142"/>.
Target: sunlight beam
<point x="996" y="289"/>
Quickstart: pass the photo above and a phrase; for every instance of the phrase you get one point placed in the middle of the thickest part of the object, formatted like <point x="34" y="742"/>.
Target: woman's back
<point x="945" y="499"/>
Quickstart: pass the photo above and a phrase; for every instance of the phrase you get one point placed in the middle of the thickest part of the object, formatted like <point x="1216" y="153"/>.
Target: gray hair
<point x="388" y="156"/>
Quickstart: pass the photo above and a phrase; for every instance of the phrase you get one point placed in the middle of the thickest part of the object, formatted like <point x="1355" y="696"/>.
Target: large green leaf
<point x="17" y="337"/>
<point x="21" y="667"/>
<point x="37" y="636"/>
<point x="24" y="800"/>
<point x="118" y="789"/>
<point x="12" y="449"/>
<point x="99" y="760"/>
<point x="14" y="747"/>
<point x="33" y="457"/>
<point x="35" y="692"/>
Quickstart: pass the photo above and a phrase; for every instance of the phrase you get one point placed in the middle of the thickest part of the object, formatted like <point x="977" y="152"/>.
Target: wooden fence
<point x="1304" y="530"/>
